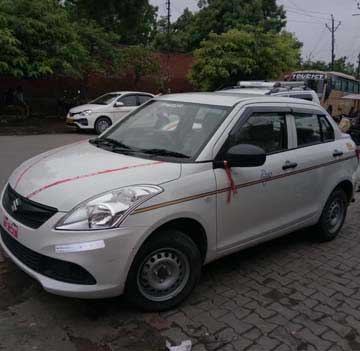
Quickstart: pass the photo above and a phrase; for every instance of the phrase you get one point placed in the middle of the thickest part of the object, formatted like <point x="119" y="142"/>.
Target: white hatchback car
<point x="106" y="110"/>
<point x="182" y="181"/>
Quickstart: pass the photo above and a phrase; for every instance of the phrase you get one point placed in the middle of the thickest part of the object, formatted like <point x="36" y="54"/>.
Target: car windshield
<point x="105" y="99"/>
<point x="165" y="129"/>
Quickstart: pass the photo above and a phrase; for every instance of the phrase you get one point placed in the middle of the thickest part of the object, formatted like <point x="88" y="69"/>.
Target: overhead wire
<point x="304" y="21"/>
<point x="317" y="44"/>
<point x="299" y="13"/>
<point x="308" y="12"/>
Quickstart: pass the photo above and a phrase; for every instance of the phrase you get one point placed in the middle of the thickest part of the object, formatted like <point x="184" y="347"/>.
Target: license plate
<point x="11" y="227"/>
<point x="69" y="121"/>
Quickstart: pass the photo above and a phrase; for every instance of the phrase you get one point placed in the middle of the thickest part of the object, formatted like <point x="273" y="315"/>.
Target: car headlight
<point x="107" y="210"/>
<point x="86" y="113"/>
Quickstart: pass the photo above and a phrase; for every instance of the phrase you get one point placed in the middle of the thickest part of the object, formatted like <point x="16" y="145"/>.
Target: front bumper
<point x="108" y="264"/>
<point x="79" y="122"/>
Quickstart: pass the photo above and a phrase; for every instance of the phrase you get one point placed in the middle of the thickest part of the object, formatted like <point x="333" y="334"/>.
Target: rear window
<point x="306" y="97"/>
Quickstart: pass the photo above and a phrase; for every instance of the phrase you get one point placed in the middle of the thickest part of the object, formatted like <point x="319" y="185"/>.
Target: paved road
<point x="16" y="149"/>
<point x="291" y="294"/>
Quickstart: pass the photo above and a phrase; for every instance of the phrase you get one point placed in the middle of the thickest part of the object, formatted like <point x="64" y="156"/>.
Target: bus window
<point x="350" y="86"/>
<point x="337" y="83"/>
<point x="356" y="88"/>
<point x="316" y="85"/>
<point x="344" y="85"/>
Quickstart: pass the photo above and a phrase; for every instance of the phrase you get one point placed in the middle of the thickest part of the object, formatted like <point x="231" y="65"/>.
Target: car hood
<point x="93" y="107"/>
<point x="64" y="177"/>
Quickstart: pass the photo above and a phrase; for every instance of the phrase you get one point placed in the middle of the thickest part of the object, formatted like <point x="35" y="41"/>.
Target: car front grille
<point x="26" y="211"/>
<point x="53" y="268"/>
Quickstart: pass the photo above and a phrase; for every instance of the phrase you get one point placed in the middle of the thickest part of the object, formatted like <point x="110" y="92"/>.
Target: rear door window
<point x="307" y="129"/>
<point x="327" y="130"/>
<point x="143" y="98"/>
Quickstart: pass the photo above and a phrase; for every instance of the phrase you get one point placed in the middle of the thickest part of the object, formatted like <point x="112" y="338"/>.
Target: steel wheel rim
<point x="103" y="125"/>
<point x="163" y="274"/>
<point x="335" y="215"/>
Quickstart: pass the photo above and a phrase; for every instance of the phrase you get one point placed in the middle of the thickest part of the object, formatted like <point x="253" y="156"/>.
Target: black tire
<point x="100" y="124"/>
<point x="145" y="274"/>
<point x="333" y="216"/>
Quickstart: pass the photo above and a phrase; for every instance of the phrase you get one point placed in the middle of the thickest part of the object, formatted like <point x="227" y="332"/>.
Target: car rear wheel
<point x="164" y="272"/>
<point x="102" y="124"/>
<point x="333" y="216"/>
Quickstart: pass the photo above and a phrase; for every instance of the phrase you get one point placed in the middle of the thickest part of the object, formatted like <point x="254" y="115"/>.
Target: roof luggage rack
<point x="279" y="85"/>
<point x="287" y="86"/>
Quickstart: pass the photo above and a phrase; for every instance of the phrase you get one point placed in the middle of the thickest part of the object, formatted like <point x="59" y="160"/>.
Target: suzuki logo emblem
<point x="15" y="205"/>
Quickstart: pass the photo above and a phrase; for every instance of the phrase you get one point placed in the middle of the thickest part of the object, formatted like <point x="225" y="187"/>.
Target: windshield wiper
<point x="163" y="152"/>
<point x="109" y="142"/>
<point x="118" y="146"/>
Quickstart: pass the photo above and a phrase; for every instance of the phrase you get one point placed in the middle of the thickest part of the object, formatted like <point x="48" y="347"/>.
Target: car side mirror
<point x="119" y="104"/>
<point x="243" y="155"/>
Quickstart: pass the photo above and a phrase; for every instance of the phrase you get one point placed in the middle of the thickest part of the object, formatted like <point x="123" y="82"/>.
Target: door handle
<point x="289" y="165"/>
<point x="338" y="153"/>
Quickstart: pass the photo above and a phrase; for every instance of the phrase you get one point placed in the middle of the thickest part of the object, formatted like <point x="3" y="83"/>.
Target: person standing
<point x="20" y="101"/>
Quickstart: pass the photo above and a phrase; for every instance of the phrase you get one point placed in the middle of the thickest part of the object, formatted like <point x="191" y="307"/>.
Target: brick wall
<point x="43" y="94"/>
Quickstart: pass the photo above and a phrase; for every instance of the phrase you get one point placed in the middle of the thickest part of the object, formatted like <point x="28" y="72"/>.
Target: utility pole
<point x="168" y="17"/>
<point x="168" y="30"/>
<point x="358" y="68"/>
<point x="333" y="30"/>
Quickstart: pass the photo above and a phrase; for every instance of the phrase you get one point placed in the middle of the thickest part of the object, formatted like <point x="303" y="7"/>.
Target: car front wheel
<point x="164" y="272"/>
<point x="102" y="124"/>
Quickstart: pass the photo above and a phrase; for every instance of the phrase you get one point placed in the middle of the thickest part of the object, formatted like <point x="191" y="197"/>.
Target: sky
<point x="307" y="19"/>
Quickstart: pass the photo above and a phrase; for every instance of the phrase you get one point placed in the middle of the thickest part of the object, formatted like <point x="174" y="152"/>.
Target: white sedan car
<point x="180" y="182"/>
<point x="106" y="110"/>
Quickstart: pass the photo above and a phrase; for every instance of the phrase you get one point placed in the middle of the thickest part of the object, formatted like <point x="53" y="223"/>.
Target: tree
<point x="220" y="16"/>
<point x="179" y="38"/>
<point x="11" y="58"/>
<point x="140" y="62"/>
<point x="315" y="65"/>
<point x="102" y="52"/>
<point x="243" y="54"/>
<point x="38" y="39"/>
<point x="340" y="65"/>
<point x="133" y="20"/>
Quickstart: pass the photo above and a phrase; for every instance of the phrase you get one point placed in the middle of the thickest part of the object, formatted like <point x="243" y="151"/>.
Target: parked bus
<point x="331" y="87"/>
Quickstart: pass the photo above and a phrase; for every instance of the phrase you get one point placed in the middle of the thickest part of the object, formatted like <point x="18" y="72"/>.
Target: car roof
<point x="216" y="99"/>
<point x="264" y="91"/>
<point x="129" y="92"/>
<point x="230" y="100"/>
<point x="253" y="91"/>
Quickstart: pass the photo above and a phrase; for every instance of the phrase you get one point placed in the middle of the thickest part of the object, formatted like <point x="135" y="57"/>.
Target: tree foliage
<point x="340" y="65"/>
<point x="179" y="39"/>
<point x="140" y="62"/>
<point x="243" y="54"/>
<point x="219" y="16"/>
<point x="133" y="20"/>
<point x="38" y="39"/>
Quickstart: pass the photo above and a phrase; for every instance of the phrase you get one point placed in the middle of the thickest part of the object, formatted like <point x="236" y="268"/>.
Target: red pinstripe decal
<point x="239" y="186"/>
<point x="41" y="159"/>
<point x="107" y="171"/>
